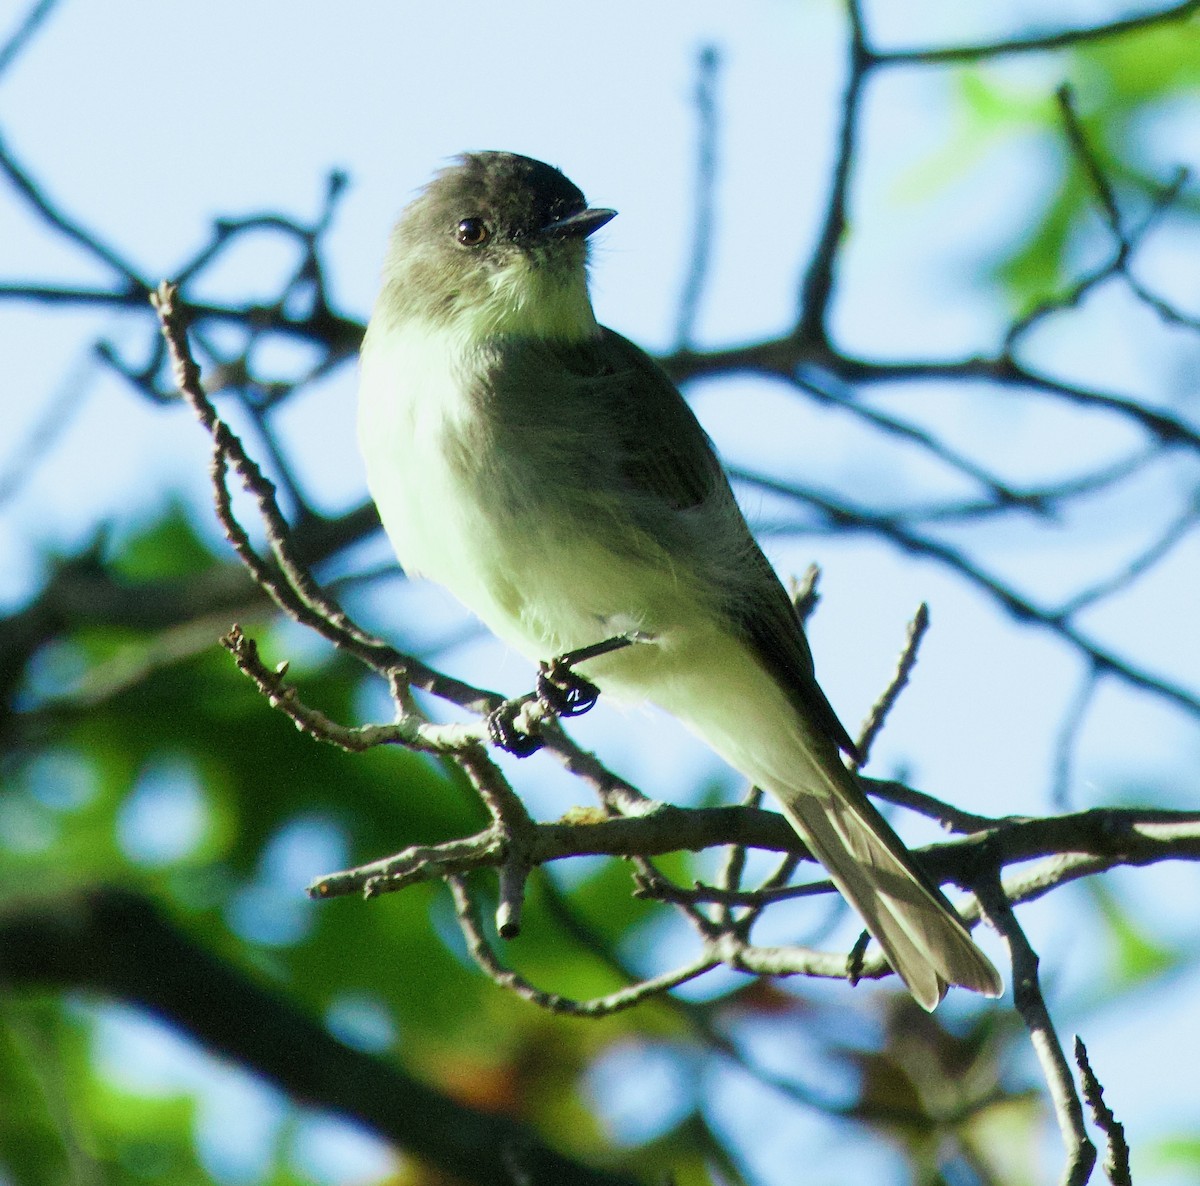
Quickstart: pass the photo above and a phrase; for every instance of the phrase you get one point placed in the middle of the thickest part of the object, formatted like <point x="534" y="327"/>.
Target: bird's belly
<point x="545" y="574"/>
<point x="539" y="581"/>
<point x="437" y="526"/>
<point x="539" y="577"/>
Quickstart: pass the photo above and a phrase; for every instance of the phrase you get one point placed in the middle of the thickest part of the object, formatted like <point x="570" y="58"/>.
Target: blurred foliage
<point x="1135" y="956"/>
<point x="184" y="784"/>
<point x="926" y="1083"/>
<point x="1125" y="83"/>
<point x="1180" y="1153"/>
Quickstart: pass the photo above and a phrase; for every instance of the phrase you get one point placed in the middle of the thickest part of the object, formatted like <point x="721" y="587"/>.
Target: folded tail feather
<point x="919" y="931"/>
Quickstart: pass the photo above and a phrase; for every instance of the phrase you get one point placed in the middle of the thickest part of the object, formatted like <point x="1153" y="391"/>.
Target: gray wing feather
<point x="668" y="455"/>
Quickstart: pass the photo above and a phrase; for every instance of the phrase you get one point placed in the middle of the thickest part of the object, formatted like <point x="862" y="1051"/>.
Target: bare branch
<point x="1068" y="732"/>
<point x="410" y="730"/>
<point x="883" y="706"/>
<point x="805" y="593"/>
<point x="1066" y="39"/>
<point x="704" y="225"/>
<point x="952" y="819"/>
<point x="817" y="287"/>
<point x="298" y="594"/>
<point x="1116" y="1159"/>
<point x="516" y="830"/>
<point x="291" y="587"/>
<point x="1175" y="532"/>
<point x="1027" y="996"/>
<point x="1001" y="493"/>
<point x="626" y="998"/>
<point x="135" y="286"/>
<point x="857" y="519"/>
<point x="1071" y="847"/>
<point x="25" y="31"/>
<point x="1086" y="156"/>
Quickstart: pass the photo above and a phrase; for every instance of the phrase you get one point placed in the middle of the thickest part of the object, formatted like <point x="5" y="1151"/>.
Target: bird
<point x="552" y="477"/>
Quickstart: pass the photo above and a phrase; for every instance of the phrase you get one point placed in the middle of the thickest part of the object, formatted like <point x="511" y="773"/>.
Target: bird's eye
<point x="473" y="232"/>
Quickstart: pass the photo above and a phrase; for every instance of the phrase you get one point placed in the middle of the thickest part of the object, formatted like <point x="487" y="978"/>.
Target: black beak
<point x="578" y="226"/>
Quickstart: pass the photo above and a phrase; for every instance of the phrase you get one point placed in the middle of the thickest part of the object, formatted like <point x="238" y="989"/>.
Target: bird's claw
<point x="560" y="689"/>
<point x="506" y="735"/>
<point x="564" y="691"/>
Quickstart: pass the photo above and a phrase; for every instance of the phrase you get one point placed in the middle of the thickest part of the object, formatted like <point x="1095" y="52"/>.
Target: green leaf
<point x="1135" y="956"/>
<point x="166" y="546"/>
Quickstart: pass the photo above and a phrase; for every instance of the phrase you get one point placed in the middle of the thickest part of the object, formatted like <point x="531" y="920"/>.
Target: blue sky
<point x="149" y="120"/>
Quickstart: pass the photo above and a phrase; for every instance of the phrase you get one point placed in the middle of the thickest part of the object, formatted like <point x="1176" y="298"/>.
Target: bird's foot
<point x="564" y="691"/>
<point x="560" y="689"/>
<point x="507" y="735"/>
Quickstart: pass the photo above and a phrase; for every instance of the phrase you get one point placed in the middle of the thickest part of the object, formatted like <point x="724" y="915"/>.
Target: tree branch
<point x="1027" y="996"/>
<point x="1039" y="43"/>
<point x="105" y="940"/>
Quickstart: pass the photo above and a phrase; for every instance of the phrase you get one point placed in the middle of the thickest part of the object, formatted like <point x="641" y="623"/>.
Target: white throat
<point x="534" y="299"/>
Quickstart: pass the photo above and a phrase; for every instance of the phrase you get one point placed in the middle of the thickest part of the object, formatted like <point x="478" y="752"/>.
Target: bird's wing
<point x="668" y="456"/>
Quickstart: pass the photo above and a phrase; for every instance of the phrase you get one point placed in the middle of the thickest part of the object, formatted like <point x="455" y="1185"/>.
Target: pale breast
<point x="517" y="533"/>
<point x="411" y="402"/>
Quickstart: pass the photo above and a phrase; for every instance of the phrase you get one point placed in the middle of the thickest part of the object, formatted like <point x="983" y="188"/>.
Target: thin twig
<point x="853" y="518"/>
<point x="1116" y="1157"/>
<point x="704" y="217"/>
<point x="805" y="592"/>
<point x="290" y="585"/>
<point x="1126" y="244"/>
<point x="518" y="833"/>
<point x="817" y="287"/>
<point x="949" y="817"/>
<point x="821" y="386"/>
<point x="729" y="876"/>
<point x="1175" y="532"/>
<point x="24" y="32"/>
<point x="883" y="706"/>
<point x="1085" y="154"/>
<point x="1027" y="996"/>
<point x="698" y="1017"/>
<point x="1039" y="43"/>
<point x="1066" y="738"/>
<point x="135" y="286"/>
<point x="482" y="953"/>
<point x="296" y="593"/>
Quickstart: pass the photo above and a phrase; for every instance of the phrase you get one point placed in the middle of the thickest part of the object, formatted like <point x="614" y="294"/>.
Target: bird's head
<point x="495" y="244"/>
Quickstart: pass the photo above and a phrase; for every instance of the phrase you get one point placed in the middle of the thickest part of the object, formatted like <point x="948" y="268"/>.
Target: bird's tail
<point x="919" y="931"/>
<point x="756" y="726"/>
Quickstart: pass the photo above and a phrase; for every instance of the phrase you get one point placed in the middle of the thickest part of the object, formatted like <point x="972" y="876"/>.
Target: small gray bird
<point x="550" y="475"/>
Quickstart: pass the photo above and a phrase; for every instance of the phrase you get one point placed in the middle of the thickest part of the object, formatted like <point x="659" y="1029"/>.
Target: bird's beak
<point x="578" y="226"/>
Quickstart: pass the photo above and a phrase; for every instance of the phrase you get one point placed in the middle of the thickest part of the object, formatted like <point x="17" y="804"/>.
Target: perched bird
<point x="550" y="475"/>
